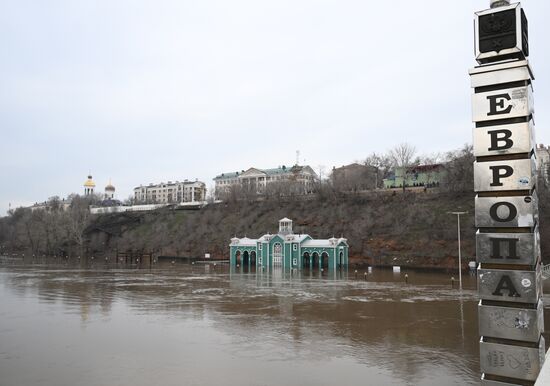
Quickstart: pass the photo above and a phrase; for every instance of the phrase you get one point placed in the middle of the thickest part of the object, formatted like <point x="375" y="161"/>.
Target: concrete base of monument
<point x="544" y="375"/>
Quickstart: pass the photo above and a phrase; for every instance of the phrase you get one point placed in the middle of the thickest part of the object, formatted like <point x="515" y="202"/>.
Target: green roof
<point x="227" y="175"/>
<point x="269" y="172"/>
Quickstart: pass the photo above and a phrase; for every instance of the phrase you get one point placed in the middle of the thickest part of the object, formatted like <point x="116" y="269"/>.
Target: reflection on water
<point x="193" y="325"/>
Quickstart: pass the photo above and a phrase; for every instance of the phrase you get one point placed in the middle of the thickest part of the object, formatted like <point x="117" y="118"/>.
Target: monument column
<point x="511" y="323"/>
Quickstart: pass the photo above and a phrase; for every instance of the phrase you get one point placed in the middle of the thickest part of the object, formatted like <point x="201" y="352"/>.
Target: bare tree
<point x="78" y="219"/>
<point x="402" y="154"/>
<point x="432" y="159"/>
<point x="131" y="200"/>
<point x="460" y="170"/>
<point x="383" y="164"/>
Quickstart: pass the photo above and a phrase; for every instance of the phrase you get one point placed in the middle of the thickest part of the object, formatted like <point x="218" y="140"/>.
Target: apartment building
<point x="170" y="192"/>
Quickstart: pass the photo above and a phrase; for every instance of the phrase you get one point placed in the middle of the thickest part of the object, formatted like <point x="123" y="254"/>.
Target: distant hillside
<point x="411" y="229"/>
<point x="408" y="229"/>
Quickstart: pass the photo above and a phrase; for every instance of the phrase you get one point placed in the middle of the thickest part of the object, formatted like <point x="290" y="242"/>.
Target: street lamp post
<point x="458" y="214"/>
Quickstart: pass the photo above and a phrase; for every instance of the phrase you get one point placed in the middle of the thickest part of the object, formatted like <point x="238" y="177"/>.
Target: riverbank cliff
<point x="407" y="229"/>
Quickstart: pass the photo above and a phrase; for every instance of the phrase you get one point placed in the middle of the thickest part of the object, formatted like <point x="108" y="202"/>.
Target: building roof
<point x="316" y="243"/>
<point x="227" y="175"/>
<point x="297" y="238"/>
<point x="304" y="239"/>
<point x="169" y="184"/>
<point x="269" y="172"/>
<point x="246" y="242"/>
<point x="89" y="183"/>
<point x="354" y="165"/>
<point x="110" y="202"/>
<point x="276" y="171"/>
<point x="324" y="243"/>
<point x="423" y="168"/>
<point x="109" y="187"/>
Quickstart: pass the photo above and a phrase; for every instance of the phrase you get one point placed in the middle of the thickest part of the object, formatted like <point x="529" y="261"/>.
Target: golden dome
<point x="89" y="183"/>
<point x="109" y="187"/>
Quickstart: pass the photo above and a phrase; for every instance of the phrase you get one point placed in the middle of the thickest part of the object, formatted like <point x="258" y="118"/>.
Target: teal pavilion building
<point x="289" y="250"/>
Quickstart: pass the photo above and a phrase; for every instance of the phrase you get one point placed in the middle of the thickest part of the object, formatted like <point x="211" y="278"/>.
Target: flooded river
<point x="197" y="325"/>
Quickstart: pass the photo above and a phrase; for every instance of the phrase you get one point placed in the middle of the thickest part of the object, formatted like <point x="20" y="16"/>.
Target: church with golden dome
<point x="109" y="191"/>
<point x="89" y="186"/>
<point x="89" y="189"/>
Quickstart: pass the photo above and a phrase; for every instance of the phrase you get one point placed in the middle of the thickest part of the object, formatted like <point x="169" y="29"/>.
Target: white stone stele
<point x="516" y="362"/>
<point x="499" y="357"/>
<point x="516" y="101"/>
<point x="490" y="103"/>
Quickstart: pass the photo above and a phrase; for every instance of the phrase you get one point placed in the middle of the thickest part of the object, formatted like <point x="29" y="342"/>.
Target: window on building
<point x="260" y="247"/>
<point x="294" y="247"/>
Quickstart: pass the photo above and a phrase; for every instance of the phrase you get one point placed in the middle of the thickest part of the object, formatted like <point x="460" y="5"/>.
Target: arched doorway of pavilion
<point x="306" y="260"/>
<point x="341" y="260"/>
<point x="253" y="258"/>
<point x="238" y="258"/>
<point x="315" y="260"/>
<point x="324" y="261"/>
<point x="246" y="258"/>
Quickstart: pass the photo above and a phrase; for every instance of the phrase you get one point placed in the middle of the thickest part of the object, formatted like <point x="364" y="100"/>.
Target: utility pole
<point x="458" y="214"/>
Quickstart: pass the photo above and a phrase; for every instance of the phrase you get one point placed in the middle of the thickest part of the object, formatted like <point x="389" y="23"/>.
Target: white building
<point x="52" y="205"/>
<point x="301" y="179"/>
<point x="171" y="192"/>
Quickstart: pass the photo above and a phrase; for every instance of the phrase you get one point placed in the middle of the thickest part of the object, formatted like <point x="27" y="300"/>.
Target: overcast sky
<point x="150" y="91"/>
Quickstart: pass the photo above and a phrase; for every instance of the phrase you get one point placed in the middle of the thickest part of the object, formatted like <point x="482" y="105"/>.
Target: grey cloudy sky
<point x="149" y="91"/>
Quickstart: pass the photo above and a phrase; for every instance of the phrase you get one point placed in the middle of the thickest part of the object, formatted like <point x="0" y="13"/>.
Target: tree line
<point x="54" y="229"/>
<point x="61" y="228"/>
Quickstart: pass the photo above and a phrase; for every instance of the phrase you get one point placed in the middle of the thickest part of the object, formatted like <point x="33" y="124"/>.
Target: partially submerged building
<point x="289" y="250"/>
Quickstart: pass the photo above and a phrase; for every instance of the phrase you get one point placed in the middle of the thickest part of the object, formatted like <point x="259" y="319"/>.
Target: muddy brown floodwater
<point x="200" y="325"/>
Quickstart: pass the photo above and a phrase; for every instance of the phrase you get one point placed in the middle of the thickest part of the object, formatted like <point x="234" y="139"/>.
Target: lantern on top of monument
<point x="501" y="33"/>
